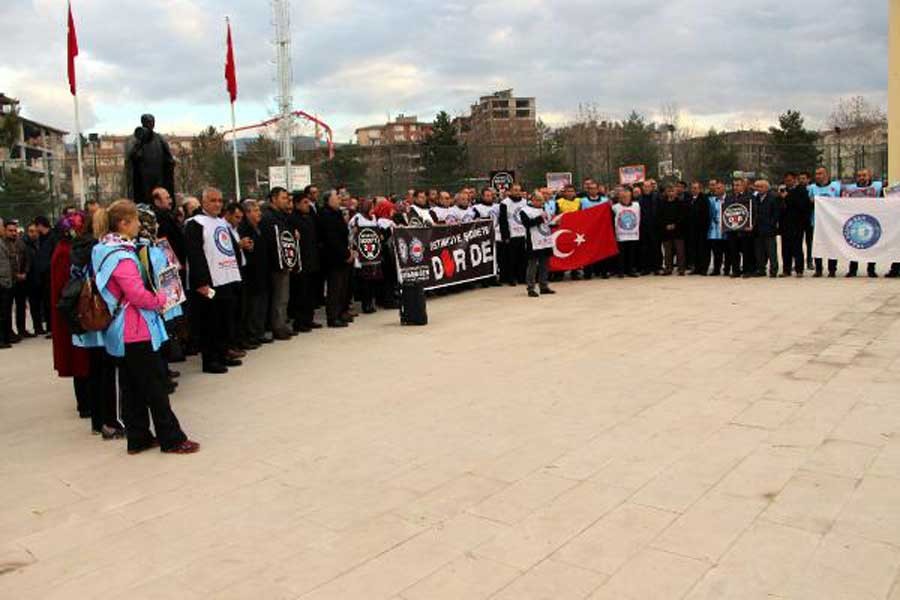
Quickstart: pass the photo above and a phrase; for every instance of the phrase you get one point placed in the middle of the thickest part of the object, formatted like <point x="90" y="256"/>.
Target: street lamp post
<point x="840" y="170"/>
<point x="94" y="139"/>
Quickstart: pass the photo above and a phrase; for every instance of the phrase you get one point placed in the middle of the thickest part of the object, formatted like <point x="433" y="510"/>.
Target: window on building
<point x="523" y="103"/>
<point x="501" y="114"/>
<point x="523" y="114"/>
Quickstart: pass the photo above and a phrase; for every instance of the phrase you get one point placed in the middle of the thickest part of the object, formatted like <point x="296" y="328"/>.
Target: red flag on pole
<point x="230" y="72"/>
<point x="73" y="51"/>
<point x="583" y="238"/>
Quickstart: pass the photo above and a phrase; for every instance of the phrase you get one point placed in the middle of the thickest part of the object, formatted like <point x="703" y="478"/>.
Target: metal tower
<point x="281" y="11"/>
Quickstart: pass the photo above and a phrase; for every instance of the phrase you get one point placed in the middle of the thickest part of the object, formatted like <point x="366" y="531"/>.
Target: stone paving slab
<point x="623" y="440"/>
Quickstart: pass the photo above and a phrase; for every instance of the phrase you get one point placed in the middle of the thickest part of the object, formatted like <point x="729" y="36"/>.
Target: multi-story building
<point x="403" y="130"/>
<point x="104" y="163"/>
<point x="36" y="147"/>
<point x="500" y="132"/>
<point x="846" y="150"/>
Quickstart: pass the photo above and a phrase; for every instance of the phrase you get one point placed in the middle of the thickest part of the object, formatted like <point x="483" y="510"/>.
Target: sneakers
<point x="533" y="294"/>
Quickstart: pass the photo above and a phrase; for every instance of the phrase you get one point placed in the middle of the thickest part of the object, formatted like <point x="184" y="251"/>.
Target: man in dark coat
<point x="305" y="285"/>
<point x="279" y="234"/>
<point x="167" y="223"/>
<point x="254" y="276"/>
<point x="150" y="162"/>
<point x="43" y="256"/>
<point x="334" y="236"/>
<point x="697" y="228"/>
<point x="741" y="249"/>
<point x="767" y="213"/>
<point x="795" y="215"/>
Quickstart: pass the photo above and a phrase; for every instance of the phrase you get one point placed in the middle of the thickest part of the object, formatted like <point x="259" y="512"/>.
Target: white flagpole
<point x="237" y="176"/>
<point x="78" y="146"/>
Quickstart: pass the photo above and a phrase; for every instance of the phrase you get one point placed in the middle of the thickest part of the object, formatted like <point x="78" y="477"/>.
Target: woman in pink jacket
<point x="136" y="333"/>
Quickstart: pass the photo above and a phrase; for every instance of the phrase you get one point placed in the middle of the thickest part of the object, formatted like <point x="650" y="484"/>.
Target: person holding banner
<point x="486" y="208"/>
<point x="512" y="233"/>
<point x="538" y="243"/>
<point x="282" y="244"/>
<point x="698" y="226"/>
<point x="863" y="188"/>
<point x="419" y="214"/>
<point x="796" y="210"/>
<point x="737" y="222"/>
<point x="627" y="218"/>
<point x="594" y="196"/>
<point x="823" y="187"/>
<point x="368" y="242"/>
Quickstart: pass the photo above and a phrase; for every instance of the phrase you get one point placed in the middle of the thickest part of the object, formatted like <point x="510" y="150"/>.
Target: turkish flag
<point x="230" y="70"/>
<point x="73" y="51"/>
<point x="583" y="238"/>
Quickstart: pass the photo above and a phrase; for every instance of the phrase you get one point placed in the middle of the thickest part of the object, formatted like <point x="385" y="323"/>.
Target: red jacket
<point x="68" y="360"/>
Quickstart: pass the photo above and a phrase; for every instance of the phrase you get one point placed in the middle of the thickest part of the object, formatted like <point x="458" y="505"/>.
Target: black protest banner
<point x="737" y="215"/>
<point x="368" y="246"/>
<point x="445" y="255"/>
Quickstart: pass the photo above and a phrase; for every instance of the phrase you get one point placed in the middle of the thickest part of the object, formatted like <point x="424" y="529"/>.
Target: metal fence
<point x="383" y="170"/>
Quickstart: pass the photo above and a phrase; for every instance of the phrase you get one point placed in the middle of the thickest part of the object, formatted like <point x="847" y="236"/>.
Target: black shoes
<point x="545" y="291"/>
<point x="533" y="294"/>
<point x="215" y="369"/>
<point x="337" y="324"/>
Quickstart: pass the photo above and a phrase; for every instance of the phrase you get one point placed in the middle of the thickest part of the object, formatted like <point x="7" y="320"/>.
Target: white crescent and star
<point x="579" y="240"/>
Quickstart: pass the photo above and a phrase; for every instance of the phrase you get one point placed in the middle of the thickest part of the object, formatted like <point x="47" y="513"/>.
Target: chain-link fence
<point x="46" y="186"/>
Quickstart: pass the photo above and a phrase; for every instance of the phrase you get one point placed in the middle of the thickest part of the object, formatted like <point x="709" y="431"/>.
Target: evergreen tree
<point x="795" y="146"/>
<point x="638" y="146"/>
<point x="443" y="157"/>
<point x="346" y="168"/>
<point x="718" y="159"/>
<point x="23" y="195"/>
<point x="551" y="158"/>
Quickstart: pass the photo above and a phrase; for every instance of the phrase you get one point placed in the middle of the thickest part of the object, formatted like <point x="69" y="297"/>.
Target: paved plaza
<point x="625" y="440"/>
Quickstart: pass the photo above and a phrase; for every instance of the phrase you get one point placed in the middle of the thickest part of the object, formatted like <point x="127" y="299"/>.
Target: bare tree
<point x="856" y="112"/>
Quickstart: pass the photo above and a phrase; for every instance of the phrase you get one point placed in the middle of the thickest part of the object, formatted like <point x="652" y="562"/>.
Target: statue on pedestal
<point x="150" y="163"/>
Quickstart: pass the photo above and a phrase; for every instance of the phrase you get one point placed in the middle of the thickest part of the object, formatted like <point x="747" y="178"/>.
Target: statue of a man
<point x="150" y="163"/>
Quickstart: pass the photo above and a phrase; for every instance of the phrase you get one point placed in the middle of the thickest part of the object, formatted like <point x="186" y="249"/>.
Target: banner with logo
<point x="632" y="174"/>
<point x="737" y="215"/>
<point x="288" y="250"/>
<point x="558" y="181"/>
<point x="445" y="255"/>
<point x="858" y="229"/>
<point x="368" y="246"/>
<point x="502" y="181"/>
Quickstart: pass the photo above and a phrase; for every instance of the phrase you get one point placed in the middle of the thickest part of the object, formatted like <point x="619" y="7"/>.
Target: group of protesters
<point x="254" y="273"/>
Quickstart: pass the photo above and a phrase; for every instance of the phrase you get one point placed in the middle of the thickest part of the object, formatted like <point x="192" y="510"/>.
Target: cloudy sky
<point x="726" y="64"/>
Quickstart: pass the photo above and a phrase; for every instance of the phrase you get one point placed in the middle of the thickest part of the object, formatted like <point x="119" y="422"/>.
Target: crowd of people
<point x="255" y="273"/>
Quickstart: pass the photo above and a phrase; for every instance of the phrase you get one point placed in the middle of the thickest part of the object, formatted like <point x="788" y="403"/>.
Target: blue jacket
<point x="114" y="338"/>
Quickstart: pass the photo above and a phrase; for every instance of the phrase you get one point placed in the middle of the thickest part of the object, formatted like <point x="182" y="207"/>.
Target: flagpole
<point x="78" y="147"/>
<point x="237" y="176"/>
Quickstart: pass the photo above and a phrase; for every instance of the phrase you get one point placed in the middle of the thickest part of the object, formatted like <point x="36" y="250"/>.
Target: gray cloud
<point x="356" y="60"/>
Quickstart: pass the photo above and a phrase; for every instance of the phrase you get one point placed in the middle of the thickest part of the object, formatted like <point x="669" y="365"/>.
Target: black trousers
<point x="515" y="261"/>
<point x="741" y="254"/>
<point x="712" y="249"/>
<point x="628" y="261"/>
<point x="213" y="323"/>
<point x="20" y="298"/>
<point x="6" y="295"/>
<point x="304" y="289"/>
<point x="832" y="265"/>
<point x="854" y="268"/>
<point x="102" y="390"/>
<point x="792" y="252"/>
<point x="808" y="233"/>
<point x="145" y="395"/>
<point x="651" y="253"/>
<point x="82" y="387"/>
<point x="337" y="294"/>
<point x="39" y="319"/>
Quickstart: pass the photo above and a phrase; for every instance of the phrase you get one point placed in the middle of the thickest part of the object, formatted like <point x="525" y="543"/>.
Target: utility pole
<point x="894" y="91"/>
<point x="281" y="12"/>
